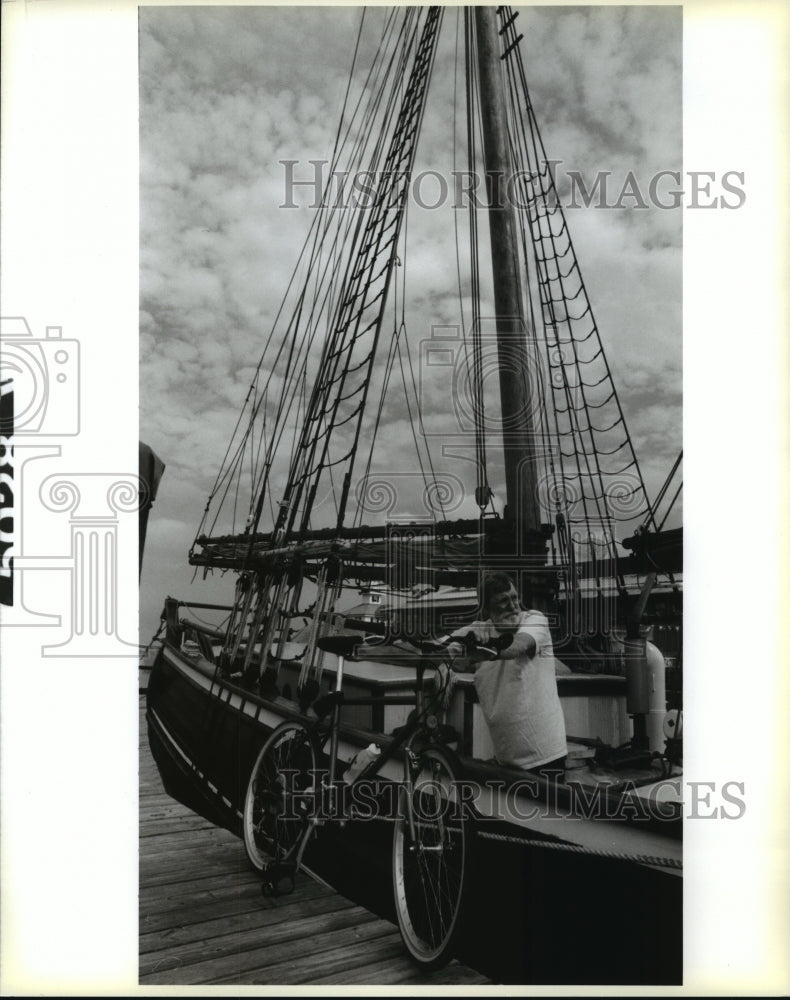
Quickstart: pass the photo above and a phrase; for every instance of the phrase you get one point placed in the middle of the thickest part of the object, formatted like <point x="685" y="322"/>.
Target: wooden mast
<point x="511" y="329"/>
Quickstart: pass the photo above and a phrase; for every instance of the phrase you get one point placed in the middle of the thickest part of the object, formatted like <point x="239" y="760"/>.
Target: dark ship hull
<point x="595" y="898"/>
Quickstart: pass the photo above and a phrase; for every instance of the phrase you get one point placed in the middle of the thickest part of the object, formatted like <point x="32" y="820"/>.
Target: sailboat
<point x="523" y="463"/>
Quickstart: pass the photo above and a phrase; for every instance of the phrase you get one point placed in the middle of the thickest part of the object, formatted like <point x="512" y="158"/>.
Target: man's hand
<point x="468" y="651"/>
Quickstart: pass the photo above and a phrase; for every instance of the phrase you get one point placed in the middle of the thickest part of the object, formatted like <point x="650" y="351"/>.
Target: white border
<point x="69" y="729"/>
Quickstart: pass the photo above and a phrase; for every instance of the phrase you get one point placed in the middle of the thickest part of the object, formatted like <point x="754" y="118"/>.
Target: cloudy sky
<point x="223" y="95"/>
<point x="226" y="93"/>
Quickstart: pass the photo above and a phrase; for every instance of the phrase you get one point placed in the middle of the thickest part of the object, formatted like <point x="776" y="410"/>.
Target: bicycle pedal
<point x="278" y="879"/>
<point x="282" y="887"/>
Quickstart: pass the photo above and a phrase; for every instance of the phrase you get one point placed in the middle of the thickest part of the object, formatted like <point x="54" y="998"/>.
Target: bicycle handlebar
<point x="346" y="645"/>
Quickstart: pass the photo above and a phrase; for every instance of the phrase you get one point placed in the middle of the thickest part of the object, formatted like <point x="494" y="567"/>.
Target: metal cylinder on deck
<point x="645" y="692"/>
<point x="637" y="677"/>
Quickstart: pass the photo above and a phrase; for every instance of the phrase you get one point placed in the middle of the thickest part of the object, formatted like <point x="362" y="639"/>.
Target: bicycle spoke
<point x="428" y="871"/>
<point x="272" y="828"/>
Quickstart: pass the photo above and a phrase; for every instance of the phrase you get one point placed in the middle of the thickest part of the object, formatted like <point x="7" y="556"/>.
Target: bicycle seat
<point x="341" y="645"/>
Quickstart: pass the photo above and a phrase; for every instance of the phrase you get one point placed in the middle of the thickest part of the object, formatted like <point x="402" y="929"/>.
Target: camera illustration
<point x="45" y="377"/>
<point x="447" y="367"/>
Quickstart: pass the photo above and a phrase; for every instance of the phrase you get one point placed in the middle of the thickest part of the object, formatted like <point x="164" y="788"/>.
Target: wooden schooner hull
<point x="205" y="734"/>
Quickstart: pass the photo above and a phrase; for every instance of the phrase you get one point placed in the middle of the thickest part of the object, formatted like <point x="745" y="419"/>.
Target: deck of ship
<point x="203" y="919"/>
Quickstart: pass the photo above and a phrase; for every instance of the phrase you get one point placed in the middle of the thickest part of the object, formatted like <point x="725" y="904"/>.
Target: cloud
<point x="227" y="93"/>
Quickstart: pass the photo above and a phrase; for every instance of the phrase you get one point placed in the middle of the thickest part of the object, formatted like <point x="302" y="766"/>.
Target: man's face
<point x="505" y="608"/>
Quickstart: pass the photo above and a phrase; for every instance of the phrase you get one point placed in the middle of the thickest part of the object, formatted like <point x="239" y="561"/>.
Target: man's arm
<point x="523" y="645"/>
<point x="463" y="662"/>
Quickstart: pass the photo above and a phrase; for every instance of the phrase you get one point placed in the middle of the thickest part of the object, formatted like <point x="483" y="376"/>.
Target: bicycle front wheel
<point x="277" y="803"/>
<point x="429" y="861"/>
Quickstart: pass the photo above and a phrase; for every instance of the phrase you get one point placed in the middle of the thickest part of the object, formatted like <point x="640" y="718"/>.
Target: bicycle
<point x="432" y="834"/>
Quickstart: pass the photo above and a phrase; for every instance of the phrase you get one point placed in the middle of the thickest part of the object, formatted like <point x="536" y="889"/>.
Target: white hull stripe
<point x="195" y="770"/>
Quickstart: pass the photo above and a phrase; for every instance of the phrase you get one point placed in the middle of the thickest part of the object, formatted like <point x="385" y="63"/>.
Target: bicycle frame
<point x="402" y="741"/>
<point x="429" y="855"/>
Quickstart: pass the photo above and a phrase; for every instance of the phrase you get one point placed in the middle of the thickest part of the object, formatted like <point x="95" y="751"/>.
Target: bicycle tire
<point x="429" y="872"/>
<point x="276" y="805"/>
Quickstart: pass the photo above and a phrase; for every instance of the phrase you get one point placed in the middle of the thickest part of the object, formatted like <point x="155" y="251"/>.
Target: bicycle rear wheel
<point x="277" y="804"/>
<point x="429" y="867"/>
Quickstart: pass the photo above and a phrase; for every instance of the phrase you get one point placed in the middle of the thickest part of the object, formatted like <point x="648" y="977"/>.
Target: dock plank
<point x="238" y="920"/>
<point x="245" y="938"/>
<point x="203" y="920"/>
<point x="219" y="901"/>
<point x="378" y="945"/>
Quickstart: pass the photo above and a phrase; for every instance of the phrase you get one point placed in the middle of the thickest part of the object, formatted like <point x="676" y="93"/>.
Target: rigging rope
<point x="347" y="263"/>
<point x="484" y="493"/>
<point x="558" y="286"/>
<point x="320" y="227"/>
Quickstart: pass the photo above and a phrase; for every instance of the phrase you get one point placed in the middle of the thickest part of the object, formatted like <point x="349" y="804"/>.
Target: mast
<point x="511" y="330"/>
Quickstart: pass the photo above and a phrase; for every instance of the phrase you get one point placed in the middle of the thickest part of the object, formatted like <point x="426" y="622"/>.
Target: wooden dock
<point x="204" y="921"/>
